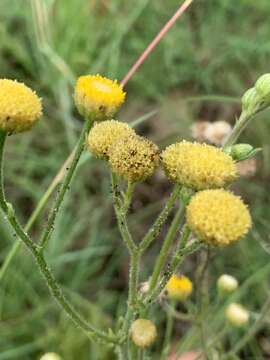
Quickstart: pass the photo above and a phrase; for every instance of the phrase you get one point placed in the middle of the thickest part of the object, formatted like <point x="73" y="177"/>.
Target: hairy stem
<point x="65" y="186"/>
<point x="156" y="228"/>
<point x="42" y="265"/>
<point x="161" y="260"/>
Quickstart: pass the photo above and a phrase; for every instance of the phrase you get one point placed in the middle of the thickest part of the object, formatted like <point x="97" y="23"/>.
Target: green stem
<point x="240" y="125"/>
<point x="168" y="333"/>
<point x="133" y="279"/>
<point x="42" y="265"/>
<point x="179" y="256"/>
<point x="128" y="196"/>
<point x="40" y="206"/>
<point x="121" y="217"/>
<point x="60" y="196"/>
<point x="161" y="260"/>
<point x="156" y="228"/>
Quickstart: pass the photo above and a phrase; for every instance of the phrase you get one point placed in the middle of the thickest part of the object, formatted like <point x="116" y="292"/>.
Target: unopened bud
<point x="262" y="87"/>
<point x="50" y="356"/>
<point x="227" y="283"/>
<point x="240" y="152"/>
<point x="251" y="101"/>
<point x="237" y="315"/>
<point x="143" y="332"/>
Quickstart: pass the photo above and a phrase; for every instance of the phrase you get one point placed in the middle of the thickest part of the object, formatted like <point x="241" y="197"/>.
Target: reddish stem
<point x="155" y="41"/>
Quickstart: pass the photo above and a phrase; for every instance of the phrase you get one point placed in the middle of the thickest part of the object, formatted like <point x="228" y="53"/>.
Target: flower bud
<point x="143" y="332"/>
<point x="250" y="101"/>
<point x="262" y="87"/>
<point x="50" y="356"/>
<point x="240" y="152"/>
<point x="237" y="315"/>
<point x="227" y="283"/>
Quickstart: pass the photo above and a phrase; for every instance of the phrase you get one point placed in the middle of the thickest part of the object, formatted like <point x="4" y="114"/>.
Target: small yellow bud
<point x="98" y="97"/>
<point x="198" y="166"/>
<point x="227" y="283"/>
<point x="143" y="332"/>
<point x="179" y="287"/>
<point x="134" y="158"/>
<point x="237" y="315"/>
<point x="262" y="87"/>
<point x="106" y="133"/>
<point x="20" y="107"/>
<point x="218" y="217"/>
<point x="50" y="356"/>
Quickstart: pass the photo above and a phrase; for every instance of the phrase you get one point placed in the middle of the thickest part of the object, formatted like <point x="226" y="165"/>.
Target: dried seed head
<point x="134" y="158"/>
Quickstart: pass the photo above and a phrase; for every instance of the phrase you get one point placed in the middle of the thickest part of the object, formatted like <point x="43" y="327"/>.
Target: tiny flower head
<point x="143" y="332"/>
<point x="198" y="166"/>
<point x="227" y="283"/>
<point x="134" y="158"/>
<point x="251" y="101"/>
<point x="179" y="287"/>
<point x="20" y="107"/>
<point x="50" y="356"/>
<point x="218" y="217"/>
<point x="237" y="315"/>
<point x="98" y="97"/>
<point x="106" y="133"/>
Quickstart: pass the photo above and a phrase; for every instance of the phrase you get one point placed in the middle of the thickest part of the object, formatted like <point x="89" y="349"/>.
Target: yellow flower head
<point x="104" y="134"/>
<point x="98" y="97"/>
<point x="179" y="287"/>
<point x="198" y="166"/>
<point x="20" y="107"/>
<point x="218" y="217"/>
<point x="143" y="332"/>
<point x="134" y="158"/>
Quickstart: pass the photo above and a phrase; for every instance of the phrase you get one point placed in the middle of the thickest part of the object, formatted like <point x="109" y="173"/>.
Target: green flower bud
<point x="262" y="87"/>
<point x="251" y="101"/>
<point x="240" y="152"/>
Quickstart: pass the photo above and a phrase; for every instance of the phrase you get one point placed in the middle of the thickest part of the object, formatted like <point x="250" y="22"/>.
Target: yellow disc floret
<point x="106" y="133"/>
<point x="98" y="97"/>
<point x="143" y="332"/>
<point x="198" y="166"/>
<point x="134" y="158"/>
<point x="20" y="107"/>
<point x="218" y="217"/>
<point x="179" y="287"/>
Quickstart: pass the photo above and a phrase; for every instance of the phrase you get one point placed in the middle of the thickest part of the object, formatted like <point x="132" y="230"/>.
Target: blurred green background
<point x="198" y="72"/>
